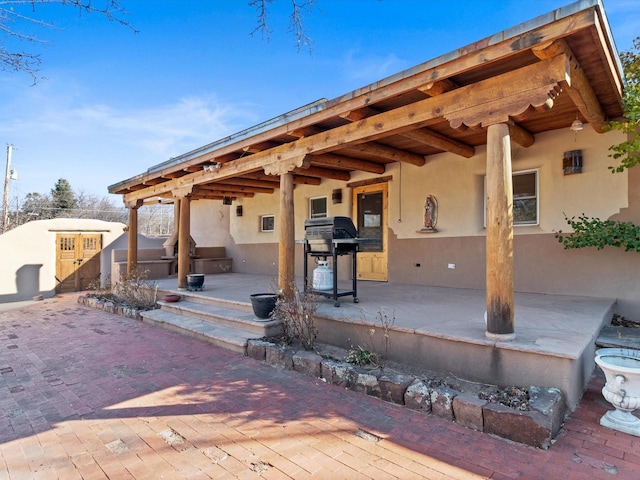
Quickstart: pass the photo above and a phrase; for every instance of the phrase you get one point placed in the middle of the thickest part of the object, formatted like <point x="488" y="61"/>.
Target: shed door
<point x="77" y="260"/>
<point x="370" y="210"/>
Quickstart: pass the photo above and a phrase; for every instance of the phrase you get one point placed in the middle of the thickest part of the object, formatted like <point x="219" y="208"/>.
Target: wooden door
<point x="77" y="260"/>
<point x="370" y="212"/>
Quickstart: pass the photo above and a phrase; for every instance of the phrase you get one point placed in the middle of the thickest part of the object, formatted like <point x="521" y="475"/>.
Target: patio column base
<point x="500" y="337"/>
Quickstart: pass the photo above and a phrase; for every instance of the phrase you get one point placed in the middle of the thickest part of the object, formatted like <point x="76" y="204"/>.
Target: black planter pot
<point x="195" y="281"/>
<point x="263" y="304"/>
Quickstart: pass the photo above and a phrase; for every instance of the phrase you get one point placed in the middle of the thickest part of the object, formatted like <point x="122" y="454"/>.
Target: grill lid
<point x="330" y="227"/>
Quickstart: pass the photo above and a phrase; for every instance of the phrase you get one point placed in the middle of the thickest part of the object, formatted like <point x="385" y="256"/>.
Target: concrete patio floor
<point x="443" y="329"/>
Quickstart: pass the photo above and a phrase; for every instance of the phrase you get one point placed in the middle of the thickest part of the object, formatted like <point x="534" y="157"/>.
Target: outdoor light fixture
<point x="239" y="211"/>
<point x="577" y="125"/>
<point x="226" y="200"/>
<point x="572" y="162"/>
<point x="214" y="167"/>
<point x="336" y="196"/>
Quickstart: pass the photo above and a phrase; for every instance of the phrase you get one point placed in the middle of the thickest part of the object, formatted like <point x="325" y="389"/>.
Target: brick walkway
<point x="85" y="394"/>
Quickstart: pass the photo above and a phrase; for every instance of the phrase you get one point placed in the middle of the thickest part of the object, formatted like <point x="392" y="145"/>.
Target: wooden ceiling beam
<point x="576" y="85"/>
<point x="247" y="182"/>
<point x="217" y="187"/>
<point x="324" y="173"/>
<point x="348" y="163"/>
<point x="359" y="114"/>
<point x="438" y="87"/>
<point x="305" y="180"/>
<point x="441" y="142"/>
<point x="389" y="153"/>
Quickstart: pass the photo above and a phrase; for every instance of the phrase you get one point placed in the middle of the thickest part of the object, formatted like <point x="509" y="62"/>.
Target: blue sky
<point x="114" y="103"/>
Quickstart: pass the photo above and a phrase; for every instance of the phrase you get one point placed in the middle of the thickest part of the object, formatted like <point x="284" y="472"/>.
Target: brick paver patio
<point x="85" y="394"/>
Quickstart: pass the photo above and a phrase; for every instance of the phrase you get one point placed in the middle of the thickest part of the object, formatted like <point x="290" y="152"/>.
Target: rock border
<point x="536" y="427"/>
<point x="110" y="307"/>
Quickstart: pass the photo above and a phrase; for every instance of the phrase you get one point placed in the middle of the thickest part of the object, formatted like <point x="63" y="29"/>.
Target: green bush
<point x="593" y="232"/>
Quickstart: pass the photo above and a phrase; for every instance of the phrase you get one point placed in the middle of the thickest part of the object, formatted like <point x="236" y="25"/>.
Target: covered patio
<point x="443" y="329"/>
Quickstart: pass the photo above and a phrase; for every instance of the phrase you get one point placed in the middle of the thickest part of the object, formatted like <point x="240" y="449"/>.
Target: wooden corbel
<point x="182" y="191"/>
<point x="133" y="204"/>
<point x="287" y="165"/>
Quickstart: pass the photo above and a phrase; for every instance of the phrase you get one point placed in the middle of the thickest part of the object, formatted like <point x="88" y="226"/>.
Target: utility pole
<point x="5" y="200"/>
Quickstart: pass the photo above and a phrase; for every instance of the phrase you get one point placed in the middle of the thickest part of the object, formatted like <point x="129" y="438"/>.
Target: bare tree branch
<point x="299" y="8"/>
<point x="12" y="16"/>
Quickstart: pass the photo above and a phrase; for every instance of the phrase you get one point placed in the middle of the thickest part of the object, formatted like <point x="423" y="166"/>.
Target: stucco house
<point x="45" y="257"/>
<point x="484" y="131"/>
<point x="459" y="171"/>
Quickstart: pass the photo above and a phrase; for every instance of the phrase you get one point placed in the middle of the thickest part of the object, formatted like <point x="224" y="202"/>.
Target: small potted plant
<point x="263" y="304"/>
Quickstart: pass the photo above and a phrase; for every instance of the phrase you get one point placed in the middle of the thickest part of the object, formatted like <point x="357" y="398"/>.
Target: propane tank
<point x="323" y="276"/>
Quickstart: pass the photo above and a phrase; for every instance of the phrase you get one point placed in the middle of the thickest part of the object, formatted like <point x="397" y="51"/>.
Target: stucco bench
<point x="209" y="260"/>
<point x="149" y="261"/>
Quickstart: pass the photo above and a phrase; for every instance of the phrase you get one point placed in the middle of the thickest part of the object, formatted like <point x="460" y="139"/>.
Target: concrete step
<point x="199" y="297"/>
<point x="226" y="315"/>
<point x="619" y="337"/>
<point x="220" y="335"/>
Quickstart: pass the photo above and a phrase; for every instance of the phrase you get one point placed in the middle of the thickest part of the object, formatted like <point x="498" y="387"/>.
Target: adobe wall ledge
<point x="536" y="427"/>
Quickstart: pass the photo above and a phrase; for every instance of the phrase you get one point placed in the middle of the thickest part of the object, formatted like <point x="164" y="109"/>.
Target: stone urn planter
<point x="263" y="304"/>
<point x="621" y="368"/>
<point x="195" y="281"/>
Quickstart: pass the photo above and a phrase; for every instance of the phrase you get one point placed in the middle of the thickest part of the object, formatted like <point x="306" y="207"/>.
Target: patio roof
<point x="538" y="76"/>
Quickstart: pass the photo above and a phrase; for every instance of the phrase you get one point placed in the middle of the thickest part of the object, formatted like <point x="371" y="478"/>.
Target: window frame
<point x="320" y="214"/>
<point x="266" y="218"/>
<point x="535" y="171"/>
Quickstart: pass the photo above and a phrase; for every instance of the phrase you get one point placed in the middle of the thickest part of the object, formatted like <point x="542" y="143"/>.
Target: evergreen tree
<point x="62" y="197"/>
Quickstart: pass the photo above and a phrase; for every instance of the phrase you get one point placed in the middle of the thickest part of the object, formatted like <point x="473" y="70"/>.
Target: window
<point x="525" y="198"/>
<point x="317" y="207"/>
<point x="267" y="223"/>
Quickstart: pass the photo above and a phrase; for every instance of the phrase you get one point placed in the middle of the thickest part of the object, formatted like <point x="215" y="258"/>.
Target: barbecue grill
<point x="331" y="237"/>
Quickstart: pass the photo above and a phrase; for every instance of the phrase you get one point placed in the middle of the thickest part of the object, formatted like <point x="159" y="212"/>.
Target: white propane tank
<point x="323" y="276"/>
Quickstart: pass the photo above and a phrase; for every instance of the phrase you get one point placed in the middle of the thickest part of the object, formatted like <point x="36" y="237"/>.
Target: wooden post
<point x="132" y="241"/>
<point x="184" y="241"/>
<point x="500" y="296"/>
<point x="286" y="253"/>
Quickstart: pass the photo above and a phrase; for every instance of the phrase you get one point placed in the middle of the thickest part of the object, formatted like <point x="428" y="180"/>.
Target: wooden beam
<point x="520" y="135"/>
<point x="132" y="243"/>
<point x="184" y="242"/>
<point x="489" y="94"/>
<point x="441" y="142"/>
<point x="248" y="182"/>
<point x="305" y="180"/>
<point x="348" y="163"/>
<point x="499" y="250"/>
<point x="389" y="153"/>
<point x="438" y="87"/>
<point x="324" y="172"/>
<point x="287" y="242"/>
<point x="576" y="84"/>
<point x="359" y="114"/>
<point x="217" y="187"/>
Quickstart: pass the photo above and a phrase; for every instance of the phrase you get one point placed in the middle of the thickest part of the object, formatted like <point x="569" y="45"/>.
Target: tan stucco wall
<point x="29" y="254"/>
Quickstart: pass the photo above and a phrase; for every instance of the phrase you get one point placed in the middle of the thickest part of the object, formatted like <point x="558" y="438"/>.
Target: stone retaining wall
<point x="536" y="427"/>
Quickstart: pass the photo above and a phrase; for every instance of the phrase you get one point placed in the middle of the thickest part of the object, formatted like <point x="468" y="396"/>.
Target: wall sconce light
<point x="572" y="162"/>
<point x="213" y="167"/>
<point x="226" y="201"/>
<point x="336" y="196"/>
<point x="239" y="211"/>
